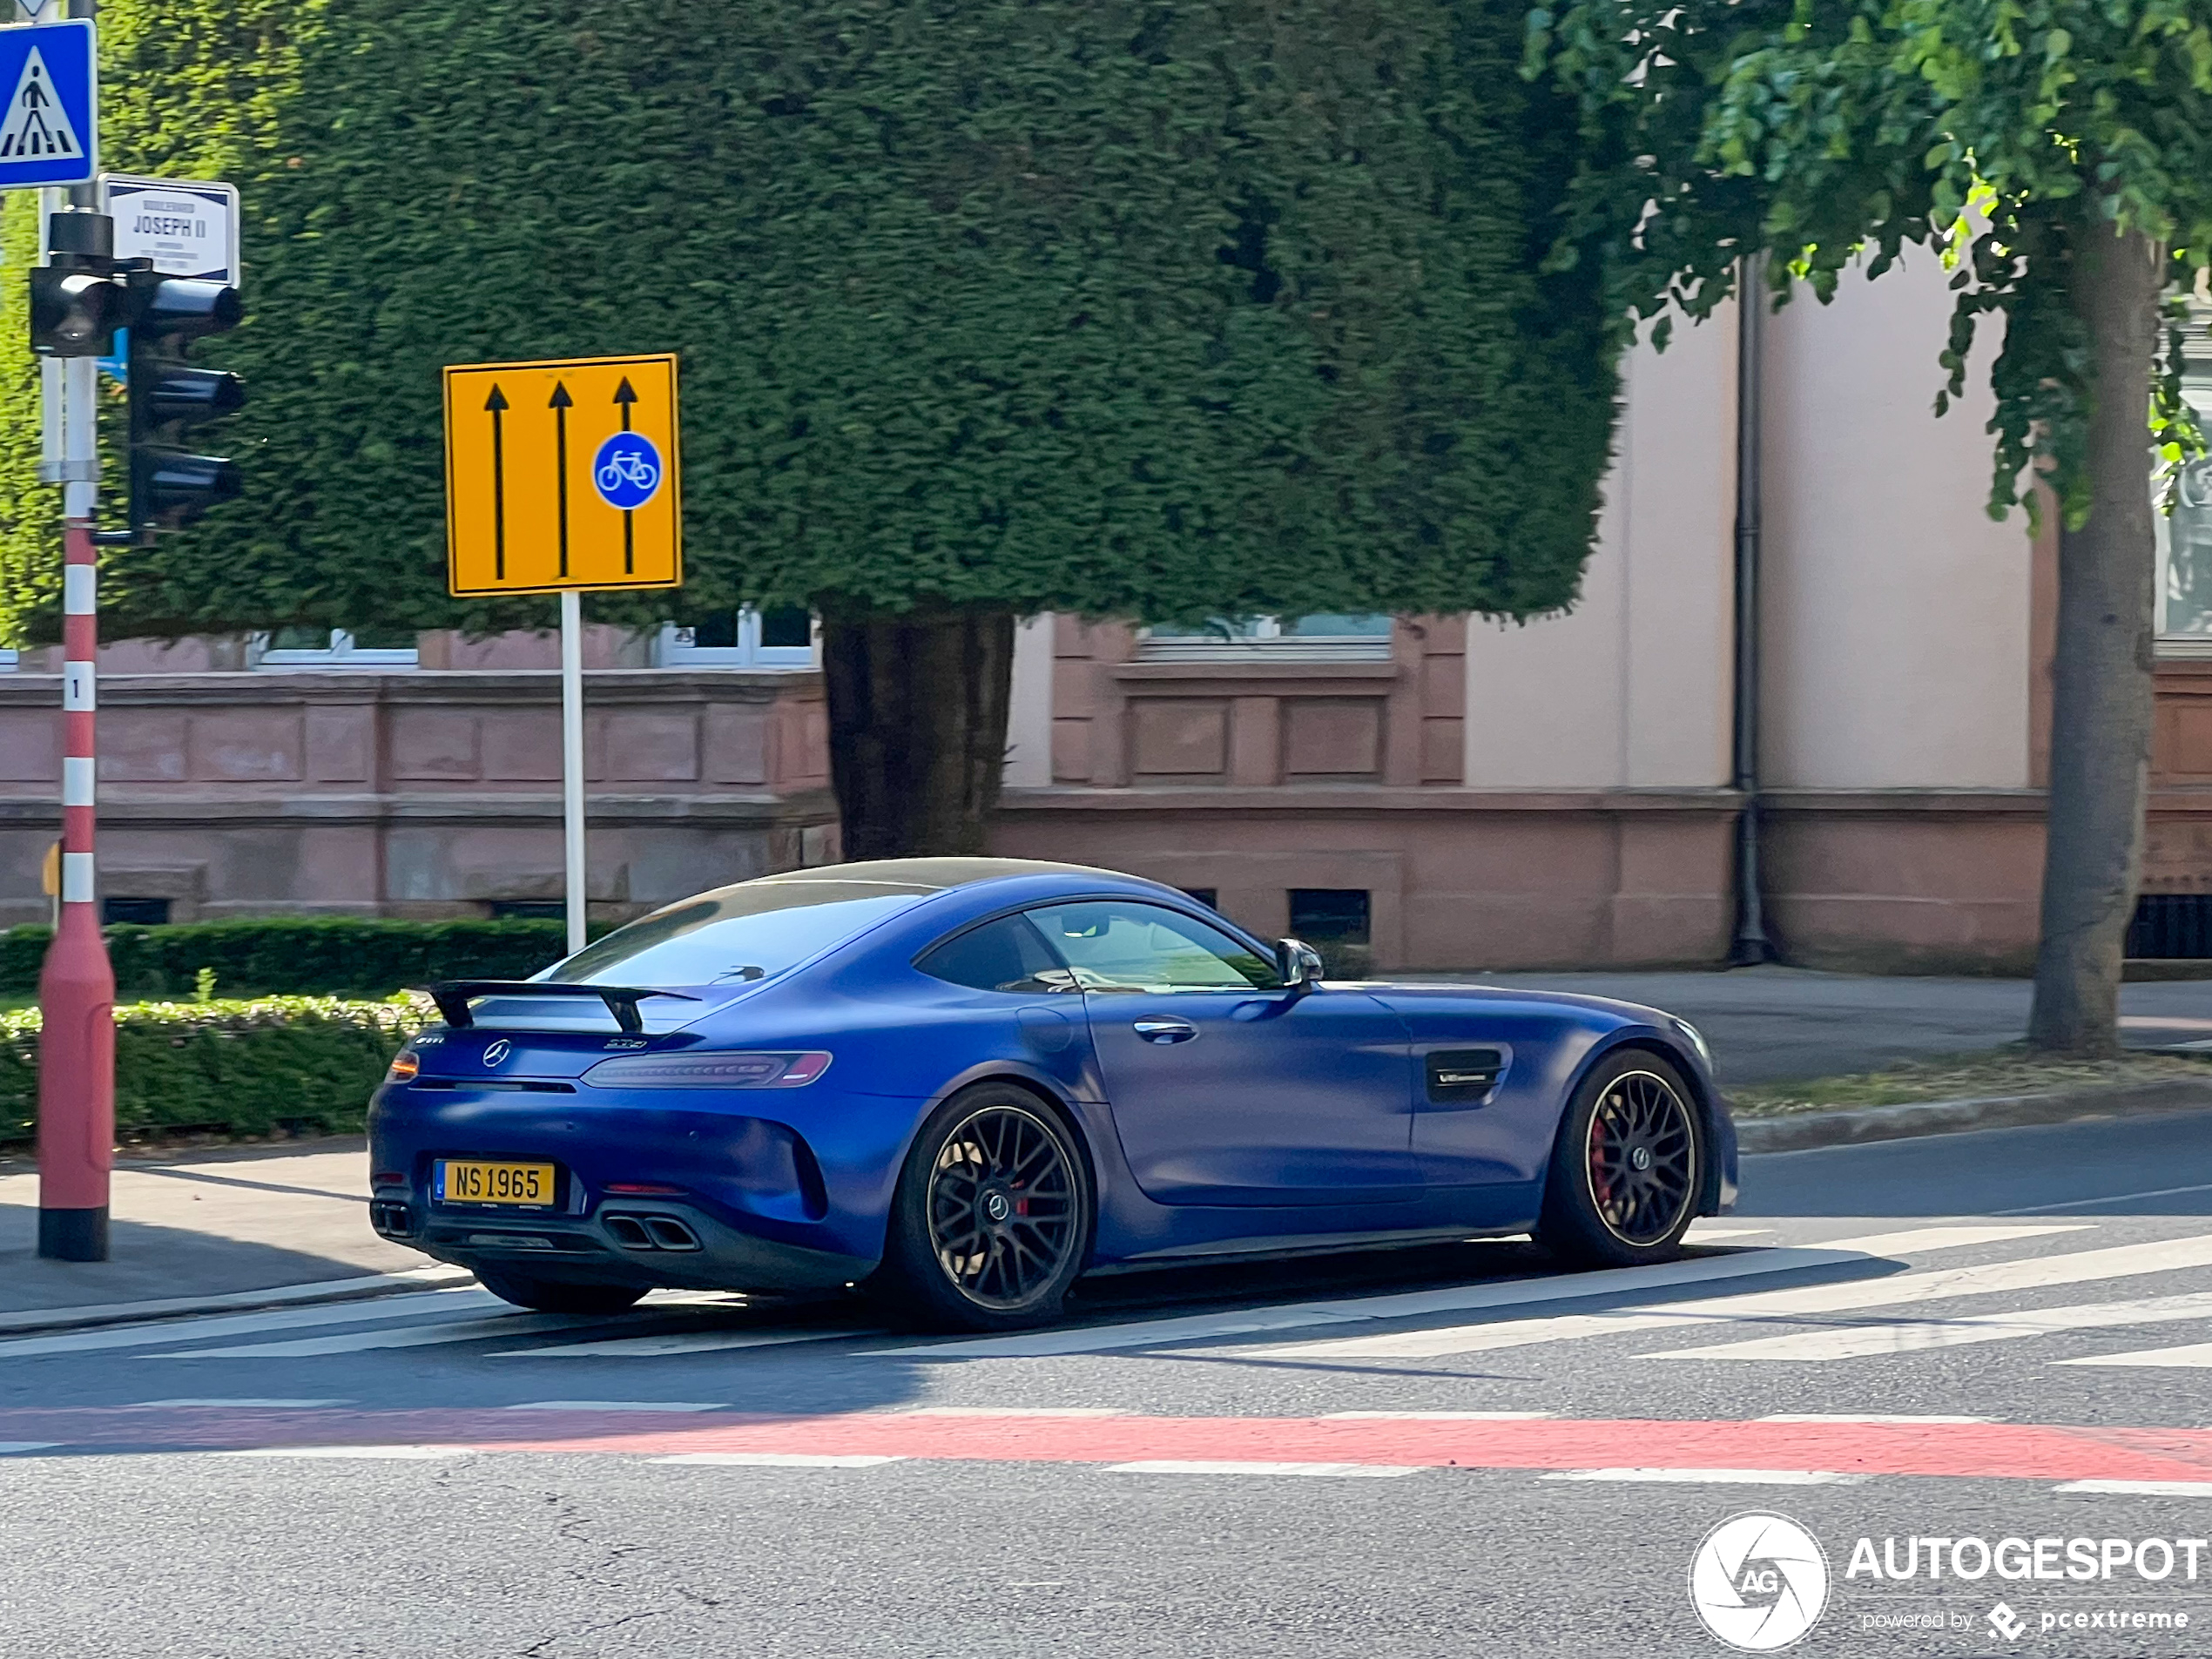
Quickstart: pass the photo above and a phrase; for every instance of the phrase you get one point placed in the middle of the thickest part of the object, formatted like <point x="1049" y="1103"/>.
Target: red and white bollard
<point x="76" y="986"/>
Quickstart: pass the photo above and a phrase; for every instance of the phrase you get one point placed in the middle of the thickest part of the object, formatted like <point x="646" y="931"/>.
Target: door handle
<point x="1165" y="1030"/>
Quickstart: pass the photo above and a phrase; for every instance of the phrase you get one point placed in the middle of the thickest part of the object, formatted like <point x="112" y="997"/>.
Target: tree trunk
<point x="917" y="708"/>
<point x="2101" y="706"/>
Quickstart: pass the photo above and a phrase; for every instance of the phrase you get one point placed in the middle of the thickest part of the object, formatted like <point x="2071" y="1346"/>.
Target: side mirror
<point x="1298" y="964"/>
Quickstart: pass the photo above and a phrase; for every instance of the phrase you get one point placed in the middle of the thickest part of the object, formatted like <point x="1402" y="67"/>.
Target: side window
<point x="1003" y="955"/>
<point x="1117" y="945"/>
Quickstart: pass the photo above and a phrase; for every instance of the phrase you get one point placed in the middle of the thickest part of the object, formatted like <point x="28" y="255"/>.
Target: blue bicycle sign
<point x="627" y="471"/>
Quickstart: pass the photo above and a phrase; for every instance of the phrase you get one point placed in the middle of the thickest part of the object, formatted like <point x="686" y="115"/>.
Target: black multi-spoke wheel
<point x="992" y="1218"/>
<point x="1627" y="1167"/>
<point x="1003" y="1206"/>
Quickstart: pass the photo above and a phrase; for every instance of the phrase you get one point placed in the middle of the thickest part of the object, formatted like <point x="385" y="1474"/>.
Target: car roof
<point x="933" y="875"/>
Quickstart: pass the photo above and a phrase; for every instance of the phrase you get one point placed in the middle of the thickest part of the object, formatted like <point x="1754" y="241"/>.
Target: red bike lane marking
<point x="2000" y="1451"/>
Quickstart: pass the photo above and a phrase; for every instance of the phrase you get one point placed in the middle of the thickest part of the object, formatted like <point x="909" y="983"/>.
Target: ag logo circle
<point x="627" y="471"/>
<point x="497" y="1053"/>
<point x="1759" y="1582"/>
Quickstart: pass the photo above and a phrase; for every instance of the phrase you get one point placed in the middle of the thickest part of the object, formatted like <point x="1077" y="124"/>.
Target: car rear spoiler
<point x="452" y="996"/>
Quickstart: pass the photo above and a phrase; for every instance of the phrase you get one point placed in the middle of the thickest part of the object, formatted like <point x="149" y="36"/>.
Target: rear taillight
<point x="709" y="1070"/>
<point x="404" y="1066"/>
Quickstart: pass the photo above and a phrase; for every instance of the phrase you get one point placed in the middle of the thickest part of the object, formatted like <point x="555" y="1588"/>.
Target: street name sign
<point x="50" y="130"/>
<point x="187" y="227"/>
<point x="563" y="477"/>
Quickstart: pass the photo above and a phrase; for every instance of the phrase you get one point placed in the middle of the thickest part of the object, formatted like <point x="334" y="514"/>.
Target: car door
<point x="1227" y="1088"/>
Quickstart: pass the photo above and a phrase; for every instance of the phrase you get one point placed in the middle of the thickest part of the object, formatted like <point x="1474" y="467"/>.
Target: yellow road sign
<point x="563" y="475"/>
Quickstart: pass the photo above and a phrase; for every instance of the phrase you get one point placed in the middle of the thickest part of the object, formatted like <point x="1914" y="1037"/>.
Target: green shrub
<point x="236" y="1067"/>
<point x="299" y="956"/>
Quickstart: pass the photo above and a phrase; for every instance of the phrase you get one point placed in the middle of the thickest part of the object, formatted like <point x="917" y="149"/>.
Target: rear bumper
<point x="648" y="1242"/>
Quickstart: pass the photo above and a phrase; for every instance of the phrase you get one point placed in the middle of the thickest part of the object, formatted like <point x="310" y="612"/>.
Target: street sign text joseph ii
<point x="562" y="476"/>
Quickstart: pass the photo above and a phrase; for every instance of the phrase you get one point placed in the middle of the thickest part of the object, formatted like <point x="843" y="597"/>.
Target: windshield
<point x="738" y="934"/>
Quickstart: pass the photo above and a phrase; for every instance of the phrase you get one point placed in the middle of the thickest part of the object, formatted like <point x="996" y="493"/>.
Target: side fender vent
<point x="1463" y="1076"/>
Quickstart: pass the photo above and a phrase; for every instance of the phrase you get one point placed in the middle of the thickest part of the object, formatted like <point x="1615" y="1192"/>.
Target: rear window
<point x="748" y="932"/>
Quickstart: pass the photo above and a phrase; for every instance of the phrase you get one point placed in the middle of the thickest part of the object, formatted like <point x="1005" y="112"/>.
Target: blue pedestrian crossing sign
<point x="50" y="130"/>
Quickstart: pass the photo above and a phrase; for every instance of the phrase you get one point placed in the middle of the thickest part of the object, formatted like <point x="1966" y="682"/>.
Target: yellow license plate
<point x="475" y="1183"/>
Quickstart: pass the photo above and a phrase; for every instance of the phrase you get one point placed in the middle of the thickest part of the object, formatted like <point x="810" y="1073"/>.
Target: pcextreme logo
<point x="1759" y="1582"/>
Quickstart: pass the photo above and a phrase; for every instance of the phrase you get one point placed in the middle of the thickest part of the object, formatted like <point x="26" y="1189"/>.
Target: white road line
<point x="241" y="1404"/>
<point x="382" y="1454"/>
<point x="1866" y="1417"/>
<point x="1105" y="1338"/>
<point x="1009" y="1411"/>
<point x="2087" y="1204"/>
<point x="1437" y="1417"/>
<point x="781" y="1459"/>
<point x="182" y="1306"/>
<point x="1948" y="1238"/>
<point x="618" y="1406"/>
<point x="9" y="1448"/>
<point x="421" y="1336"/>
<point x="458" y="1299"/>
<point x="2197" y="1356"/>
<point x="1701" y="1234"/>
<point x="2120" y="1261"/>
<point x="1718" y="1477"/>
<point x="687" y="1342"/>
<point x="1172" y="1466"/>
<point x="1915" y="1336"/>
<point x="2143" y="1488"/>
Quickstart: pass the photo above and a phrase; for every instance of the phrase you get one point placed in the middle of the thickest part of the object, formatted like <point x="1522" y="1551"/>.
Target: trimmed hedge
<point x="239" y="1068"/>
<point x="299" y="956"/>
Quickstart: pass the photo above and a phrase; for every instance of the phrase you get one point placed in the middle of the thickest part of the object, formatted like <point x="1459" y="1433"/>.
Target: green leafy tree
<point x="2060" y="153"/>
<point x="985" y="307"/>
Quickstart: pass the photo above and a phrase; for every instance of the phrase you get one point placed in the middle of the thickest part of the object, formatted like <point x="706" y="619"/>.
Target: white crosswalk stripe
<point x="2119" y="1261"/>
<point x="413" y="1306"/>
<point x="421" y="1336"/>
<point x="2197" y="1356"/>
<point x="681" y="1342"/>
<point x="1864" y="1341"/>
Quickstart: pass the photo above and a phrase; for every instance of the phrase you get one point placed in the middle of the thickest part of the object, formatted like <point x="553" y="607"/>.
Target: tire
<point x="1626" y="1168"/>
<point x="992" y="1218"/>
<point x="554" y="1296"/>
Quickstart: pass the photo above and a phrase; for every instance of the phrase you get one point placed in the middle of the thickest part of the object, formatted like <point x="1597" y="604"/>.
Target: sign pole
<point x="572" y="759"/>
<point x="77" y="984"/>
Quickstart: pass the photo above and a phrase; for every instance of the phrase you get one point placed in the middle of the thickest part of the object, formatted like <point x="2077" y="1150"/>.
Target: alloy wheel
<point x="1642" y="1158"/>
<point x="1002" y="1207"/>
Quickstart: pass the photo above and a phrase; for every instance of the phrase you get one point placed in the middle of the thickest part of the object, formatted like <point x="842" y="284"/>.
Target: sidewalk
<point x="204" y="1229"/>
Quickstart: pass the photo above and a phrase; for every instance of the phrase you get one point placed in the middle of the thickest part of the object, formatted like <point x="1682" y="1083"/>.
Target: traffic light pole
<point x="76" y="986"/>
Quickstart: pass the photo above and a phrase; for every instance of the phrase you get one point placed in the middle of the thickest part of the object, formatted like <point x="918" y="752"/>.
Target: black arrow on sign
<point x="561" y="404"/>
<point x="497" y="404"/>
<point x="626" y="395"/>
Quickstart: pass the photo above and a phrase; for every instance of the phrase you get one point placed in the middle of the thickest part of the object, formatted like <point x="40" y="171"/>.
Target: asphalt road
<point x="1434" y="1453"/>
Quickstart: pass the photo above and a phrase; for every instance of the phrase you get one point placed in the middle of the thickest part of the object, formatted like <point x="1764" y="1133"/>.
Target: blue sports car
<point x="962" y="1082"/>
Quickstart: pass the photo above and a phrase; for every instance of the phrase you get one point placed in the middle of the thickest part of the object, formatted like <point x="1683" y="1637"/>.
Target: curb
<point x="367" y="1287"/>
<point x="1801" y="1131"/>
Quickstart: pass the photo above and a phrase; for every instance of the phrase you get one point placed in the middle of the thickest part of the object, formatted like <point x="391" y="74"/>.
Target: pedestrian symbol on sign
<point x="36" y="124"/>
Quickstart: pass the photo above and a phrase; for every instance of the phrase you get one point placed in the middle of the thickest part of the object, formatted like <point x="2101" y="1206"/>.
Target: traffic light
<point x="170" y="487"/>
<point x="78" y="301"/>
<point x="74" y="313"/>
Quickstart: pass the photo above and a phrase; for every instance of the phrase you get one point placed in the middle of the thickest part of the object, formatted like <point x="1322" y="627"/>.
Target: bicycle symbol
<point x="627" y="471"/>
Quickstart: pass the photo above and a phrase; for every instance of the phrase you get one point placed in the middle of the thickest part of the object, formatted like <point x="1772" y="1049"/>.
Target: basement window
<point x="1324" y="638"/>
<point x="134" y="912"/>
<point x="285" y="648"/>
<point x="2171" y="926"/>
<point x="1337" y="922"/>
<point x="781" y="636"/>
